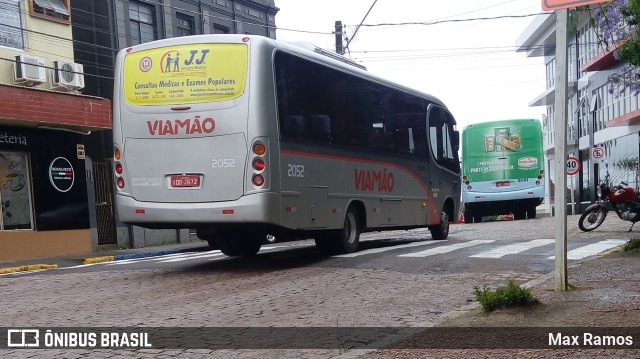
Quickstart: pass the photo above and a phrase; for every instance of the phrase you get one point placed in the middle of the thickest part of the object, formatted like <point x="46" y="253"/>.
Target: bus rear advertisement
<point x="244" y="138"/>
<point x="503" y="169"/>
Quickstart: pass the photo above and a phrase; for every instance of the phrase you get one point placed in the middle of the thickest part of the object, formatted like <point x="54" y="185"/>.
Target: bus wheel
<point x="441" y="231"/>
<point x="234" y="244"/>
<point x="531" y="212"/>
<point x="477" y="218"/>
<point x="468" y="217"/>
<point x="345" y="240"/>
<point x="349" y="238"/>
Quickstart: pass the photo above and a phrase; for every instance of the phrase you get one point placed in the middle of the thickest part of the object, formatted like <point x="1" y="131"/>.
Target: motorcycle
<point x="622" y="198"/>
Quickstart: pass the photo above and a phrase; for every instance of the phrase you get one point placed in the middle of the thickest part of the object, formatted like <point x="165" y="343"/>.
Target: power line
<point x="358" y="28"/>
<point x="427" y="23"/>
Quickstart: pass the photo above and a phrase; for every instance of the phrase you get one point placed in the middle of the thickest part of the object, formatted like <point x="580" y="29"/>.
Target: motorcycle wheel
<point x="592" y="219"/>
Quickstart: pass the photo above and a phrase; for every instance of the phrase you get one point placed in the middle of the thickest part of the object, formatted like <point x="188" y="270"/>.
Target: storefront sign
<point x="61" y="174"/>
<point x="80" y="151"/>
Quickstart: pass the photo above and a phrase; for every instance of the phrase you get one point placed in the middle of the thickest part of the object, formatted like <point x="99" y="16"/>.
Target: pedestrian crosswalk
<point x="479" y="249"/>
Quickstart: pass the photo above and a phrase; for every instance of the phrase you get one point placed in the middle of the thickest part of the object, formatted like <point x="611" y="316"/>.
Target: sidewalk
<point x="604" y="293"/>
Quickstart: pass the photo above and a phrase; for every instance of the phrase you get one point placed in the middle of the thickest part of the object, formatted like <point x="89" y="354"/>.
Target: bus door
<point x="444" y="165"/>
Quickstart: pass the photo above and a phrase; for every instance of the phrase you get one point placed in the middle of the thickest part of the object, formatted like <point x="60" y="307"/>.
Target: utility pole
<point x="338" y="33"/>
<point x="560" y="160"/>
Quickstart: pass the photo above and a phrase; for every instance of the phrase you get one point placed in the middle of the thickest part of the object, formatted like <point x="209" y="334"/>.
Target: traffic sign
<point x="598" y="153"/>
<point x="550" y="5"/>
<point x="573" y="166"/>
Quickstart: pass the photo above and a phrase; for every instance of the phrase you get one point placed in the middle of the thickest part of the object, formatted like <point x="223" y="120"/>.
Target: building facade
<point x="602" y="128"/>
<point x="102" y="27"/>
<point x="46" y="184"/>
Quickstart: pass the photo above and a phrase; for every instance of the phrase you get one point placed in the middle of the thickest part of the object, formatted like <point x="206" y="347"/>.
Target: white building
<point x="595" y="118"/>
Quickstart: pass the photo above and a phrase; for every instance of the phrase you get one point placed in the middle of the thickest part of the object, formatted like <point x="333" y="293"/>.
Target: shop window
<point x="15" y="191"/>
<point x="56" y="10"/>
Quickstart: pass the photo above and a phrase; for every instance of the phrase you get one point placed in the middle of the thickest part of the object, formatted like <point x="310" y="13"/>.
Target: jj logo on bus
<point x="171" y="60"/>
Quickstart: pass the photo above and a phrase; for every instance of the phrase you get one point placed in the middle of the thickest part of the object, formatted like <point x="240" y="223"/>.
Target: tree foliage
<point x="616" y="24"/>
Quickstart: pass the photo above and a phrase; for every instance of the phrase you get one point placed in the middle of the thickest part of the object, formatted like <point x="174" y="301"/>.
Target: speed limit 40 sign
<point x="573" y="166"/>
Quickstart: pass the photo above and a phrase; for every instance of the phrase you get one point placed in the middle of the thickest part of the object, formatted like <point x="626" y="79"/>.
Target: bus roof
<point x="303" y="49"/>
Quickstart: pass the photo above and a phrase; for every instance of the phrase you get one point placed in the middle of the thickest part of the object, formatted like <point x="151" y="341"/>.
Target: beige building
<point x="46" y="188"/>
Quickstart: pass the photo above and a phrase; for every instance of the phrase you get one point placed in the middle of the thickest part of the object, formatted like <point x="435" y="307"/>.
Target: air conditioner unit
<point x="29" y="70"/>
<point x="67" y="76"/>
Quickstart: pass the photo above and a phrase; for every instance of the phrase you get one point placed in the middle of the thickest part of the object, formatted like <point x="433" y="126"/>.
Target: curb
<point x="94" y="260"/>
<point x="98" y="259"/>
<point x="27" y="268"/>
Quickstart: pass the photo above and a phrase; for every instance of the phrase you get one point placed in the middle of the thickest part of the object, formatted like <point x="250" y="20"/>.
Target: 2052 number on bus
<point x="295" y="170"/>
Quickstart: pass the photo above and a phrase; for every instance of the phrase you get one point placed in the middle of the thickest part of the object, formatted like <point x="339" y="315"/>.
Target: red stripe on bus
<point x="434" y="211"/>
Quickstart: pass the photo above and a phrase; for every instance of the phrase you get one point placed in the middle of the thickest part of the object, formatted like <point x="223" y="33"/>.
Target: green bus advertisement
<point x="502" y="169"/>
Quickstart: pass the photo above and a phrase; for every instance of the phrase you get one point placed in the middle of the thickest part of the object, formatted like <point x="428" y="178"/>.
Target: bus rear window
<point x="185" y="74"/>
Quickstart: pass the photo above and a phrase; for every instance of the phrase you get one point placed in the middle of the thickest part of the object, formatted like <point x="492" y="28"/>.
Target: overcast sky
<point x="471" y="65"/>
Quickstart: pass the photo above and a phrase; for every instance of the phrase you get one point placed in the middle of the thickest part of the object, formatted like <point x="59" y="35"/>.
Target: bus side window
<point x="321" y="128"/>
<point x="294" y="126"/>
<point x="402" y="143"/>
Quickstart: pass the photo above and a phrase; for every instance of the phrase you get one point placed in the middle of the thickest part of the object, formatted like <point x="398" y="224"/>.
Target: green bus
<point x="502" y="169"/>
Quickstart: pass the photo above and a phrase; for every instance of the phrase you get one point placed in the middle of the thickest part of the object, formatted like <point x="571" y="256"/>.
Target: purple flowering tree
<point x="616" y="24"/>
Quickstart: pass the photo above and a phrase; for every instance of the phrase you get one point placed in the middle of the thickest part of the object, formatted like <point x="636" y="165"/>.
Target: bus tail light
<point x="259" y="149"/>
<point x="259" y="163"/>
<point x="119" y="169"/>
<point x="258" y="180"/>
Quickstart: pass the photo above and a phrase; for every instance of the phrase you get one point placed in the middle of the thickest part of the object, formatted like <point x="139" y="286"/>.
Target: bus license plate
<point x="502" y="184"/>
<point x="185" y="181"/>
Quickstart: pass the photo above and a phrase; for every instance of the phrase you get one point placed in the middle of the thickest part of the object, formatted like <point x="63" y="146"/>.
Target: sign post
<point x="598" y="152"/>
<point x="560" y="178"/>
<point x="573" y="167"/>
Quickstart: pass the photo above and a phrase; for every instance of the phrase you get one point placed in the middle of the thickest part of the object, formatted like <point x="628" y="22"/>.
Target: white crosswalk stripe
<point x="447" y="249"/>
<point x="592" y="249"/>
<point x="154" y="258"/>
<point x="512" y="248"/>
<point x="384" y="249"/>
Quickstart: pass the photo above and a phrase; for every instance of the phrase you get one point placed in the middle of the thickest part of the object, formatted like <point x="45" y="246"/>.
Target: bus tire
<point x="468" y="217"/>
<point x="345" y="240"/>
<point x="234" y="244"/>
<point x="477" y="218"/>
<point x="531" y="212"/>
<point x="349" y="235"/>
<point x="441" y="231"/>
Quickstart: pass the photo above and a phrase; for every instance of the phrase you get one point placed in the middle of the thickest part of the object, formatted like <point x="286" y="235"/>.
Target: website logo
<point x="23" y="338"/>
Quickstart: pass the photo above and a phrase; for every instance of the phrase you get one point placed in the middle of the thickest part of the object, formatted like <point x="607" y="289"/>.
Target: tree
<point x="616" y="24"/>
